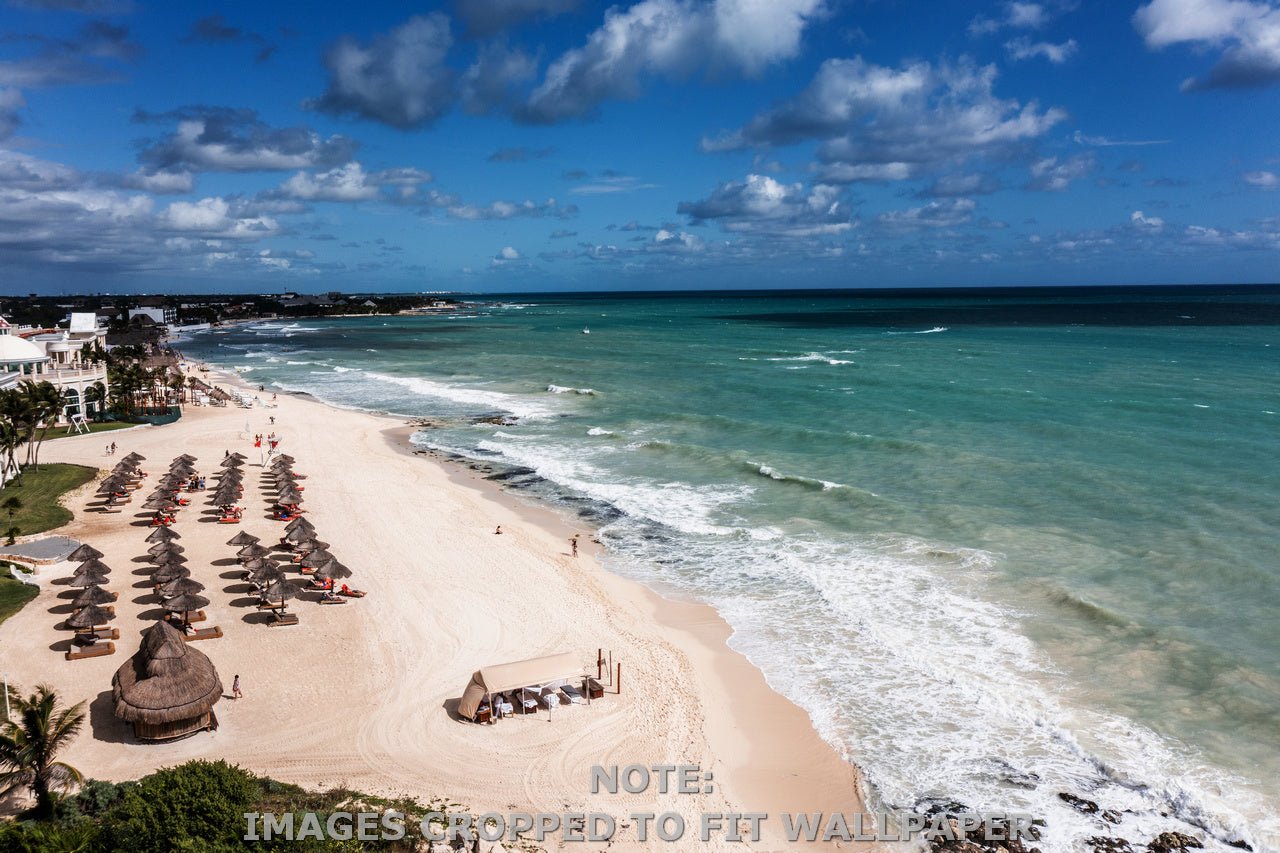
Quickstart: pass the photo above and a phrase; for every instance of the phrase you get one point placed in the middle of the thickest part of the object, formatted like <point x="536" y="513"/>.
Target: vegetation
<point x="199" y="806"/>
<point x="13" y="593"/>
<point x="30" y="743"/>
<point x="37" y="492"/>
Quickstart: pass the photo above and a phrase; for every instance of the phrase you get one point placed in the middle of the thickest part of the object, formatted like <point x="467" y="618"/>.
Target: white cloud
<point x="1023" y="48"/>
<point x="946" y="213"/>
<point x="1017" y="15"/>
<point x="509" y="254"/>
<point x="236" y="141"/>
<point x="764" y="205"/>
<point x="213" y="217"/>
<point x="667" y="38"/>
<point x="1149" y="223"/>
<point x="399" y="78"/>
<point x="1248" y="32"/>
<point x="1053" y="175"/>
<point x="877" y="123"/>
<point x="1262" y="179"/>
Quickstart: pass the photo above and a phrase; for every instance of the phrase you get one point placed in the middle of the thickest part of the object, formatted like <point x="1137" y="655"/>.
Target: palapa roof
<point x="163" y="534"/>
<point x="93" y="595"/>
<point x="84" y="552"/>
<point x="242" y="538"/>
<point x="89" y="617"/>
<point x="165" y="681"/>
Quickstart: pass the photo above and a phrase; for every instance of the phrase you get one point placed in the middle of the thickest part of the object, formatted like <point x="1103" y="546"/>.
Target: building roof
<point x="14" y="349"/>
<point x="165" y="681"/>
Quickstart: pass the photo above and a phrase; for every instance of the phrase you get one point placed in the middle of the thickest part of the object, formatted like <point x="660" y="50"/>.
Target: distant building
<point x="71" y="358"/>
<point x="158" y="316"/>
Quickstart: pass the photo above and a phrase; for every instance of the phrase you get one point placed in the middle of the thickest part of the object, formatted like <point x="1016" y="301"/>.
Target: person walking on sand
<point x="573" y="544"/>
<point x="235" y="688"/>
<point x="498" y="532"/>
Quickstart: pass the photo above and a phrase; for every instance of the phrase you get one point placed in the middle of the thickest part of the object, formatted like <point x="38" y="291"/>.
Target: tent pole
<point x="618" y="684"/>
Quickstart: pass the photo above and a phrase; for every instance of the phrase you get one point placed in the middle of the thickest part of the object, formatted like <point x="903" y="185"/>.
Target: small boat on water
<point x="586" y="331"/>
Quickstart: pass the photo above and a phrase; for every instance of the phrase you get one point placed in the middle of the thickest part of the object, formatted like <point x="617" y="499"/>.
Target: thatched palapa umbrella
<point x="180" y="586"/>
<point x="168" y="689"/>
<point x="166" y="548"/>
<point x="89" y="578"/>
<point x="93" y="564"/>
<point x="184" y="604"/>
<point x="308" y="545"/>
<point x="162" y="534"/>
<point x="299" y="522"/>
<point x="88" y="618"/>
<point x="316" y="559"/>
<point x="282" y="590"/>
<point x="252" y="550"/>
<point x="84" y="552"/>
<point x="243" y="538"/>
<point x="161" y="504"/>
<point x="165" y="574"/>
<point x="333" y="570"/>
<point x="93" y="595"/>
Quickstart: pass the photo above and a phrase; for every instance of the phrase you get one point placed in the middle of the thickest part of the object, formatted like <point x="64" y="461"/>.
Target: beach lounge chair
<point x="526" y="699"/>
<point x="103" y="633"/>
<point x="551" y="697"/>
<point x="229" y="519"/>
<point x="193" y="616"/>
<point x="97" y="650"/>
<point x="284" y="619"/>
<point x="502" y="705"/>
<point x="271" y="605"/>
<point x="211" y="633"/>
<point x="573" y="694"/>
<point x="352" y="593"/>
<point x="333" y="601"/>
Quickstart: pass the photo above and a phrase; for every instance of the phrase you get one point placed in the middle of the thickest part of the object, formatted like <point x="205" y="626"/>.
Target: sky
<point x="508" y="145"/>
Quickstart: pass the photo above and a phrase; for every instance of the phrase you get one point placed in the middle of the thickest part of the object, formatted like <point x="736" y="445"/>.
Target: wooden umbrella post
<point x="618" y="683"/>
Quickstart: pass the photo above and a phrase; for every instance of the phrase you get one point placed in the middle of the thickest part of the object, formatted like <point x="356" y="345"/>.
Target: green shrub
<point x="31" y="837"/>
<point x="199" y="806"/>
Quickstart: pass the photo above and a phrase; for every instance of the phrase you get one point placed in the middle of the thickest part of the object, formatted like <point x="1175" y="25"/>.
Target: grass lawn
<point x="104" y="426"/>
<point x="12" y="593"/>
<point x="39" y="492"/>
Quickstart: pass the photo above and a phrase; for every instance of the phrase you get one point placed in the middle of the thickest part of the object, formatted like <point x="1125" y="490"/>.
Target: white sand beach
<point x="362" y="694"/>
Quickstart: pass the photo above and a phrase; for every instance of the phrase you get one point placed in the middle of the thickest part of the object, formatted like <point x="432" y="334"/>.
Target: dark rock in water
<point x="1102" y="844"/>
<point x="510" y="474"/>
<point x="1241" y="844"/>
<point x="1080" y="804"/>
<point x="1111" y="815"/>
<point x="1172" y="842"/>
<point x="496" y="420"/>
<point x="428" y="423"/>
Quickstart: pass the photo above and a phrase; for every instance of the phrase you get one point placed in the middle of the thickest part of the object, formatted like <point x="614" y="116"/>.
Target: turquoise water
<point x="997" y="548"/>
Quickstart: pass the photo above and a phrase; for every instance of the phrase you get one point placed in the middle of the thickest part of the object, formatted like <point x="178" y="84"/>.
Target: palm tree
<point x="178" y="385"/>
<point x="11" y="432"/>
<point x="95" y="395"/>
<point x="11" y="505"/>
<point x="30" y="744"/>
<point x="46" y="401"/>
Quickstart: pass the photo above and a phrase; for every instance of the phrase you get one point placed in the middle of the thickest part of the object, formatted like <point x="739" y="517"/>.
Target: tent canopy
<point x="510" y="676"/>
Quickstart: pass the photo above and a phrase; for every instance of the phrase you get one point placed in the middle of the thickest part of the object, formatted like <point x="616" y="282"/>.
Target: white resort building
<point x="64" y="357"/>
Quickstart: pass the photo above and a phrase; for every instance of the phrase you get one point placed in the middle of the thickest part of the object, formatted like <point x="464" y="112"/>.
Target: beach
<point x="362" y="695"/>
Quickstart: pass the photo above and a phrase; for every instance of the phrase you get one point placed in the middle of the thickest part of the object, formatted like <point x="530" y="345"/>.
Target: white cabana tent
<point x="511" y="676"/>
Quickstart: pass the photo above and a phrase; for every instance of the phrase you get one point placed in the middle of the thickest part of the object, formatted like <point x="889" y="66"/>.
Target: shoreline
<point x="445" y="599"/>
<point x="739" y="684"/>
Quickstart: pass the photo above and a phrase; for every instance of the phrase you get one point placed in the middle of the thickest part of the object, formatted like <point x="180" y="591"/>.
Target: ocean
<point x="1000" y="546"/>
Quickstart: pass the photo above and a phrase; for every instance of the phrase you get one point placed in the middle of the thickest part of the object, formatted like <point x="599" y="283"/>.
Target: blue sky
<point x="495" y="145"/>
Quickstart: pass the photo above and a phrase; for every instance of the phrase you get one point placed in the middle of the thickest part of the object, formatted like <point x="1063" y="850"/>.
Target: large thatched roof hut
<point x="168" y="689"/>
